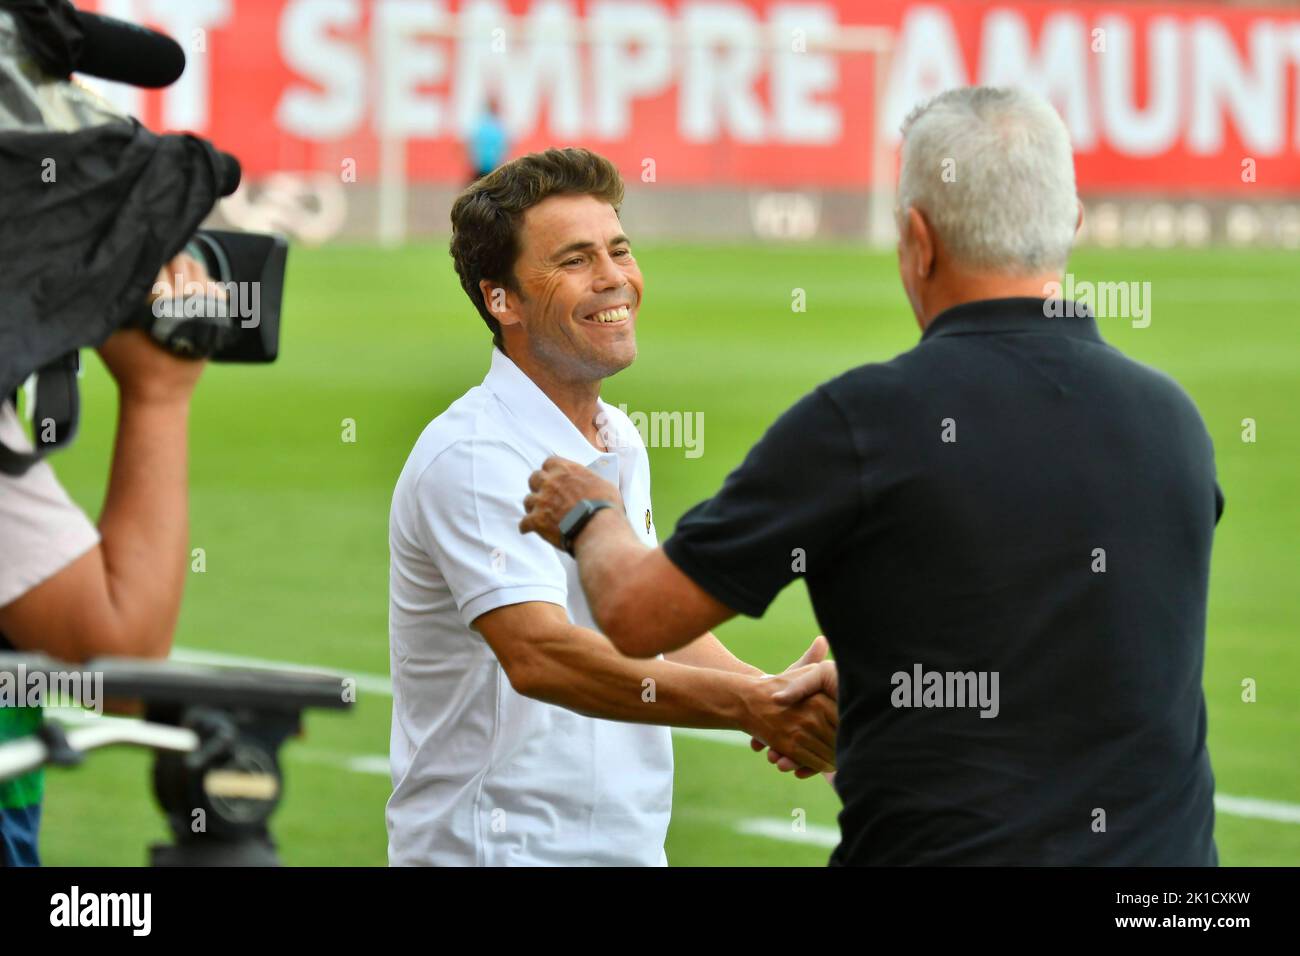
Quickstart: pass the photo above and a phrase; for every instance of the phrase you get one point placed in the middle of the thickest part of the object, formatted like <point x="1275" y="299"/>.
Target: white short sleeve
<point x="41" y="530"/>
<point x="469" y="505"/>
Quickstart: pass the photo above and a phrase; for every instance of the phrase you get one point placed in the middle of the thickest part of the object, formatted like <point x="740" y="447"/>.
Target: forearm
<point x="145" y="522"/>
<point x="549" y="658"/>
<point x="633" y="605"/>
<point x="639" y="599"/>
<point x="584" y="672"/>
<point x="707" y="651"/>
<point x="607" y="552"/>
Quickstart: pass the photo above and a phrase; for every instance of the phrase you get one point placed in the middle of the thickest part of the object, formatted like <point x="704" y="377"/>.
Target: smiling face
<point x="579" y="290"/>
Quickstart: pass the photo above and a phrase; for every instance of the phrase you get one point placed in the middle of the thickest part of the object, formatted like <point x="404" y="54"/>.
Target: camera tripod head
<point x="217" y="734"/>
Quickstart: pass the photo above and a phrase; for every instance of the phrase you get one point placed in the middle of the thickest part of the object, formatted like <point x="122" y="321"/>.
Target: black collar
<point x="1021" y="314"/>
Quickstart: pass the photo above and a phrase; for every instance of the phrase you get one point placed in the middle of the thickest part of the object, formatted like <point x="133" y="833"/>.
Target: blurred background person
<point x="487" y="143"/>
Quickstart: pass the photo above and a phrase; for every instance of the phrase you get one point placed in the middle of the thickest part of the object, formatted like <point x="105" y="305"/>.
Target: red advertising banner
<point x="1158" y="98"/>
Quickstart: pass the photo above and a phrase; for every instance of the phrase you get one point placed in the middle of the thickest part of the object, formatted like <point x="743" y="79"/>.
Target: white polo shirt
<point x="481" y="774"/>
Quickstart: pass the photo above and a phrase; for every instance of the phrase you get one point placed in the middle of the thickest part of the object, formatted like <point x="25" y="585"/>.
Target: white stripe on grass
<point x="733" y="738"/>
<point x="1257" y="809"/>
<point x="774" y="828"/>
<point x="1250" y="807"/>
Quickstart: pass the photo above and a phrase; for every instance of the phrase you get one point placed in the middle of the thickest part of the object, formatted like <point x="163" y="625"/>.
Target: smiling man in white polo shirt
<point x="520" y="735"/>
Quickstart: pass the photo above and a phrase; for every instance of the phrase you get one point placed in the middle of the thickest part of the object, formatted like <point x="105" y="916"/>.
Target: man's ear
<point x="921" y="238"/>
<point x="1078" y="224"/>
<point x="500" y="301"/>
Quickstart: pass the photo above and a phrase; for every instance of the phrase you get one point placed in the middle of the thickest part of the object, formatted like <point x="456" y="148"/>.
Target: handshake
<point x="794" y="715"/>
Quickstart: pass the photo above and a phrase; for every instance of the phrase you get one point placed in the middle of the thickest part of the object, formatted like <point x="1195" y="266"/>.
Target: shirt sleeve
<point x="788" y="507"/>
<point x="469" y="504"/>
<point x="41" y="530"/>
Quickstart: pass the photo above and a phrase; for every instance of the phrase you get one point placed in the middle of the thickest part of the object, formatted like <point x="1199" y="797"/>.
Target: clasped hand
<point x="801" y="715"/>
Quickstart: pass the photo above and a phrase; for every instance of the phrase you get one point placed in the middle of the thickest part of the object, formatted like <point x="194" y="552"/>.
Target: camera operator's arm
<point x="123" y="596"/>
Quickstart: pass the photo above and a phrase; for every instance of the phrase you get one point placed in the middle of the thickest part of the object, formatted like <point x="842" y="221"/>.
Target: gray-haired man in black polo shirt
<point x="1006" y="533"/>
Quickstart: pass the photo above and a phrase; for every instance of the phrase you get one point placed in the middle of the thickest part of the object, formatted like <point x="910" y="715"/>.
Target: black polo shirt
<point x="1005" y="534"/>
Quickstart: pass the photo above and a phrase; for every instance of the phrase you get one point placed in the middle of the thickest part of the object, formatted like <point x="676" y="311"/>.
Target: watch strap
<point x="571" y="524"/>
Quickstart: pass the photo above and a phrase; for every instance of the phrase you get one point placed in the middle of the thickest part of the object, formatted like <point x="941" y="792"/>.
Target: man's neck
<point x="577" y="400"/>
<point x="968" y="287"/>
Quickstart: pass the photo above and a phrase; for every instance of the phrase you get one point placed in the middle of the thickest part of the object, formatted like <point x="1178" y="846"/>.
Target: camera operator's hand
<point x="143" y="370"/>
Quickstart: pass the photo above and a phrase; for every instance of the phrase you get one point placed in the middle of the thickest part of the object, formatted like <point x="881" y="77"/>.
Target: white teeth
<point x="611" y="315"/>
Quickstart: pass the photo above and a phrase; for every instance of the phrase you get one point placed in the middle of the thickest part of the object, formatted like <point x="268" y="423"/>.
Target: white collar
<point x="541" y="417"/>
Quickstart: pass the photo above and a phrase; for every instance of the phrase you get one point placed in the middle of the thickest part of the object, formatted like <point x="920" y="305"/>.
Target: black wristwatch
<point x="571" y="525"/>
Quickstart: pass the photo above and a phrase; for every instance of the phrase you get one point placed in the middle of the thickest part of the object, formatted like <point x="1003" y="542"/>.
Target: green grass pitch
<point x="293" y="520"/>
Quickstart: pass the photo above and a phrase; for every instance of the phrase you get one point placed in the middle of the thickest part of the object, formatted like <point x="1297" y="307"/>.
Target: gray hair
<point x="992" y="170"/>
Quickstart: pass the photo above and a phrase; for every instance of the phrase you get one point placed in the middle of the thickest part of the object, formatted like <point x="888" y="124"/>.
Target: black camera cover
<point x="87" y="218"/>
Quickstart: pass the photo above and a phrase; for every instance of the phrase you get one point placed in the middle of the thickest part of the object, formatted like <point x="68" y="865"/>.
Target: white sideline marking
<point x="774" y="828"/>
<point x="1258" y="809"/>
<point x="373" y="764"/>
<point x="1250" y="807"/>
<point x="733" y="738"/>
<point x="376" y="764"/>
